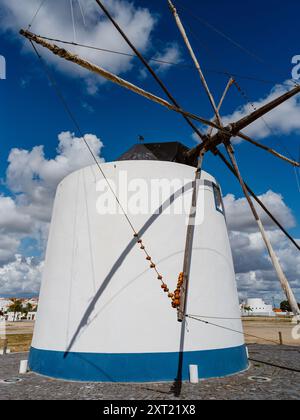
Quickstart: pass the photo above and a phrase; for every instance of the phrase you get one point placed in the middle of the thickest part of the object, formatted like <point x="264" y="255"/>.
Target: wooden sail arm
<point x="67" y="55"/>
<point x="275" y="261"/>
<point x="148" y="67"/>
<point x="195" y="60"/>
<point x="268" y="149"/>
<point x="234" y="129"/>
<point x="228" y="86"/>
<point x="191" y="155"/>
<point x="246" y="121"/>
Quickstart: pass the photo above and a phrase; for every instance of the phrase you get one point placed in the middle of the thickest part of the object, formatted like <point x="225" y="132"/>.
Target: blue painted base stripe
<point x="146" y="367"/>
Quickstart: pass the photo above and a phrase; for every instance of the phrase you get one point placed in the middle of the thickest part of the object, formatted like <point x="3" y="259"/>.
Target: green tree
<point x="16" y="307"/>
<point x="286" y="307"/>
<point x="248" y="309"/>
<point x="28" y="308"/>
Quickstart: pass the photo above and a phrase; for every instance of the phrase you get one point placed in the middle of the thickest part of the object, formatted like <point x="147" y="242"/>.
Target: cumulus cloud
<point x="240" y="217"/>
<point x="23" y="275"/>
<point x="161" y="61"/>
<point x="34" y="178"/>
<point x="11" y="219"/>
<point x="255" y="274"/>
<point x="55" y="21"/>
<point x="171" y="54"/>
<point x="25" y="215"/>
<point x="282" y="120"/>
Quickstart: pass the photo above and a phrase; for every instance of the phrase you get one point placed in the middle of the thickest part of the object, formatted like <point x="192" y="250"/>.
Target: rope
<point x="76" y="124"/>
<point x="248" y="100"/>
<point x="297" y="174"/>
<point x="222" y="34"/>
<point x="276" y="136"/>
<point x="216" y="317"/>
<point x="168" y="63"/>
<point x="232" y="41"/>
<point x="73" y="19"/>
<point x="82" y="12"/>
<point x="36" y="13"/>
<point x="231" y="330"/>
<point x="221" y="156"/>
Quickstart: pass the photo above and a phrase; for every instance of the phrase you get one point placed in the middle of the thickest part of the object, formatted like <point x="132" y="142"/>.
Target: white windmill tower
<point x="100" y="316"/>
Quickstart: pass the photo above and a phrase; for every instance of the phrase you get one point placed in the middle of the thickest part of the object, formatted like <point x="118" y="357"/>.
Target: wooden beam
<point x="228" y="86"/>
<point x="268" y="149"/>
<point x="148" y="66"/>
<point x="62" y="53"/>
<point x="189" y="241"/>
<point x="195" y="60"/>
<point x="246" y="121"/>
<point x="259" y="202"/>
<point x="275" y="261"/>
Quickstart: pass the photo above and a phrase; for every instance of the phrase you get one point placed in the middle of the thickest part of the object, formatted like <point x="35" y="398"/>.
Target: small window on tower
<point x="218" y="199"/>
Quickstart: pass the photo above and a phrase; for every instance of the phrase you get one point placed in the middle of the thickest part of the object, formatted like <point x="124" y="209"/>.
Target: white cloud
<point x="256" y="276"/>
<point x="32" y="180"/>
<point x="9" y="245"/>
<point x="54" y="20"/>
<point x="239" y="215"/>
<point x="21" y="276"/>
<point x="171" y="54"/>
<point x="282" y="120"/>
<point x="11" y="219"/>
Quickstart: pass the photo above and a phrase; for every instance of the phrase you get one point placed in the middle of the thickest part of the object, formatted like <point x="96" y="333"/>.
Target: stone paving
<point x="281" y="384"/>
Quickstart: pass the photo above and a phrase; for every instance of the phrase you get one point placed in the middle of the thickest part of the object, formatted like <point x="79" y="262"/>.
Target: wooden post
<point x="268" y="149"/>
<point x="67" y="55"/>
<point x="280" y="338"/>
<point x="189" y="242"/>
<point x="235" y="130"/>
<point x="148" y="67"/>
<point x="229" y="84"/>
<point x="197" y="64"/>
<point x="282" y="278"/>
<point x="5" y="346"/>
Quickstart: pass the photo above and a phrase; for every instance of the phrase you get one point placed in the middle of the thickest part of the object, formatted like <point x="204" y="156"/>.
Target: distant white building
<point x="4" y="304"/>
<point x="256" y="307"/>
<point x="13" y="316"/>
<point x="31" y="316"/>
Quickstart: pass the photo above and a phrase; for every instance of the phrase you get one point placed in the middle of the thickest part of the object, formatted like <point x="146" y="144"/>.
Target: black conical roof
<point x="170" y="152"/>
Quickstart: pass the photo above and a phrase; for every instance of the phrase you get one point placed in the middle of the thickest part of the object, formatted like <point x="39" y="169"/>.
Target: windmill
<point x="218" y="134"/>
<point x="210" y="141"/>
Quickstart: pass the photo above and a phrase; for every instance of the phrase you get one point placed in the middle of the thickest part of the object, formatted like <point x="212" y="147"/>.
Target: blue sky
<point x="31" y="114"/>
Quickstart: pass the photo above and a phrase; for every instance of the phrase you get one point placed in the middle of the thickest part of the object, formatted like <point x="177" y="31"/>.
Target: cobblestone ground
<point x="281" y="385"/>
